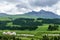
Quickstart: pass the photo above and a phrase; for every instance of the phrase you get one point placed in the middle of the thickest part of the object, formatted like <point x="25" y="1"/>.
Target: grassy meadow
<point x="38" y="33"/>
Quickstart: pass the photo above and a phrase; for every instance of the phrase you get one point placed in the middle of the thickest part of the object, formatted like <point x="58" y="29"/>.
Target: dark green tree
<point x="45" y="38"/>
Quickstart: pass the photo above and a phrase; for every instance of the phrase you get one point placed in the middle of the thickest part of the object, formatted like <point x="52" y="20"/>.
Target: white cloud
<point x="55" y="8"/>
<point x="43" y="3"/>
<point x="5" y="6"/>
<point x="23" y="6"/>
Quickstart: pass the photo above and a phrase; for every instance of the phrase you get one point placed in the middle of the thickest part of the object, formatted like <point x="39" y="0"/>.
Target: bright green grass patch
<point x="44" y="27"/>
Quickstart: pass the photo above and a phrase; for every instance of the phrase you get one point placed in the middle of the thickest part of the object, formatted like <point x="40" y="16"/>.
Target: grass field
<point x="37" y="33"/>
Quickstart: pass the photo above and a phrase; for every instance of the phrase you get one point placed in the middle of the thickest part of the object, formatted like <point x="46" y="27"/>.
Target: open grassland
<point x="38" y="33"/>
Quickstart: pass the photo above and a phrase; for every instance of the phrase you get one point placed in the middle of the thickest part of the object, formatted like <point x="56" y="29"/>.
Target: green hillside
<point x="31" y="26"/>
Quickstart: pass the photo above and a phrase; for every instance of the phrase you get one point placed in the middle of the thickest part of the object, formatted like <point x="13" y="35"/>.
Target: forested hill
<point x="26" y="23"/>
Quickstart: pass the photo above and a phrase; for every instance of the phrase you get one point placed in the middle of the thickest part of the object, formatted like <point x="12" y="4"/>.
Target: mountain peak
<point x="42" y="10"/>
<point x="43" y="14"/>
<point x="3" y="14"/>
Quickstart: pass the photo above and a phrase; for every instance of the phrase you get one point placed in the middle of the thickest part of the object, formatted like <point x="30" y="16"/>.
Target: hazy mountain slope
<point x="43" y="14"/>
<point x="33" y="14"/>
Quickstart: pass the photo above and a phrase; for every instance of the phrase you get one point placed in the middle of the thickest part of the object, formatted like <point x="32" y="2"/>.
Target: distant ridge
<point x="33" y="14"/>
<point x="43" y="14"/>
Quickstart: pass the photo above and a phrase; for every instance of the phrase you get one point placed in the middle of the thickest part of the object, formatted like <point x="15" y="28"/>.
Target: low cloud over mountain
<point x="23" y="6"/>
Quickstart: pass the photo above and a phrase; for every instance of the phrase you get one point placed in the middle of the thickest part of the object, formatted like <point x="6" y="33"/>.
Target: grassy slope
<point x="38" y="32"/>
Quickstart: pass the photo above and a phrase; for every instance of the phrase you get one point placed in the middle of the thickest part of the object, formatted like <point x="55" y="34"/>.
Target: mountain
<point x="3" y="14"/>
<point x="43" y="14"/>
<point x="33" y="14"/>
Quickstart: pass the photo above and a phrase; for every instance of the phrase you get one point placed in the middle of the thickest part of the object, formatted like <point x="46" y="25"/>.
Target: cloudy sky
<point x="23" y="6"/>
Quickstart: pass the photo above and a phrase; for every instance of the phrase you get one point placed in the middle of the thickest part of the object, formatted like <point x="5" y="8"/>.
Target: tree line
<point x="29" y="24"/>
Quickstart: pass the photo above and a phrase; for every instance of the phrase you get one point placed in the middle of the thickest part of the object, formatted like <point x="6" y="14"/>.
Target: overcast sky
<point x="23" y="6"/>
